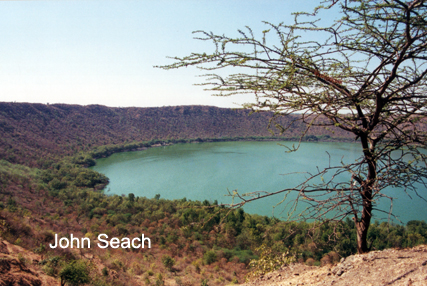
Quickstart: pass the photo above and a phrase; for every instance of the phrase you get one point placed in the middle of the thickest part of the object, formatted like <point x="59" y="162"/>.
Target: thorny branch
<point x="367" y="77"/>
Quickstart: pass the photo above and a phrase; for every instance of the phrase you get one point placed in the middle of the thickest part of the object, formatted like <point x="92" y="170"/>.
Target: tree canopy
<point x="367" y="76"/>
<point x="75" y="273"/>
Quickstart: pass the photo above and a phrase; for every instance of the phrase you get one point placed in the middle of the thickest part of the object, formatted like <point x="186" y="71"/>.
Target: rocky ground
<point x="20" y="267"/>
<point x="388" y="267"/>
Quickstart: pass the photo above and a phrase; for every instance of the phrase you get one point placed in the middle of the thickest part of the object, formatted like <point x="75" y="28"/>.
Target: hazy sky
<point x="103" y="52"/>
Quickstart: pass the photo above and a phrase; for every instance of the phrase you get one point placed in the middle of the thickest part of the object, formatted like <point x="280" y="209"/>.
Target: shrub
<point x="168" y="262"/>
<point x="209" y="257"/>
<point x="309" y="262"/>
<point x="196" y="266"/>
<point x="75" y="273"/>
<point x="325" y="260"/>
<point x="269" y="261"/>
<point x="117" y="265"/>
<point x="335" y="258"/>
<point x="159" y="280"/>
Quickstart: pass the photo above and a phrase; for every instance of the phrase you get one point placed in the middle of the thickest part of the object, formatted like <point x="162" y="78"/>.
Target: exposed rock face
<point x="14" y="272"/>
<point x="388" y="267"/>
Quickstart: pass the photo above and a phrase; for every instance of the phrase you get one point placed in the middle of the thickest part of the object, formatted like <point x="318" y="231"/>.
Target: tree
<point x="168" y="262"/>
<point x="75" y="273"/>
<point x="131" y="197"/>
<point x="367" y="76"/>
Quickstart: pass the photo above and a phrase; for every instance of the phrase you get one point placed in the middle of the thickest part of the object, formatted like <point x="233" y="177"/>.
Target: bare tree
<point x="368" y="77"/>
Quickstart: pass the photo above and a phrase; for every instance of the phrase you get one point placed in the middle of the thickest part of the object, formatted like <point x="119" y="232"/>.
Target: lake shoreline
<point x="144" y="145"/>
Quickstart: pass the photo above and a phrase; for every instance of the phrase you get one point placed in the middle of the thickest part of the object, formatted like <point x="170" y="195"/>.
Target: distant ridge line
<point x="31" y="131"/>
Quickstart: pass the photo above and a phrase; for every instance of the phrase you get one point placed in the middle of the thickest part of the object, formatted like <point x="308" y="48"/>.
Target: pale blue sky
<point x="103" y="52"/>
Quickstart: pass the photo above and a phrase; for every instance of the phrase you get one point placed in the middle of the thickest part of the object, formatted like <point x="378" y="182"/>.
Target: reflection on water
<point x="209" y="170"/>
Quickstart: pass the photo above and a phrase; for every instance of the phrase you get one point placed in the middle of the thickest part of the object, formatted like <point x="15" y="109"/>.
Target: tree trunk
<point x="367" y="185"/>
<point x="362" y="225"/>
<point x="362" y="234"/>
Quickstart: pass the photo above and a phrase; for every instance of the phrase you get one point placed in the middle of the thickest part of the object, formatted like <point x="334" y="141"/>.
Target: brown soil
<point x="20" y="267"/>
<point x="388" y="267"/>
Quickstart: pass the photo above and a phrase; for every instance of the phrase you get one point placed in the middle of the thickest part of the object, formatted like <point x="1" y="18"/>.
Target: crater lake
<point x="212" y="171"/>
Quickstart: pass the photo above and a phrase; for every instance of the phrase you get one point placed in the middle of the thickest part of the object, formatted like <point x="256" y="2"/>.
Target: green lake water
<point x="209" y="170"/>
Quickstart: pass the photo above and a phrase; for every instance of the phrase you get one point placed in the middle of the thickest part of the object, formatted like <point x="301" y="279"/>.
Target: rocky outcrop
<point x="387" y="267"/>
<point x="19" y="267"/>
<point x="14" y="272"/>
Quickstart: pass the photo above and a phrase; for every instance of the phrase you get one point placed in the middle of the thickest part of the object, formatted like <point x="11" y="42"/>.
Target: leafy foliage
<point x="168" y="262"/>
<point x="75" y="273"/>
<point x="269" y="261"/>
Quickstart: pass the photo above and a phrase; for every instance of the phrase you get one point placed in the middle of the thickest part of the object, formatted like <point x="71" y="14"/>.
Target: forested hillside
<point x="30" y="132"/>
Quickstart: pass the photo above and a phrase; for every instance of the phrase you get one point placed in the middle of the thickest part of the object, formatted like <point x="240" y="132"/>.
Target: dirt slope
<point x="20" y="267"/>
<point x="388" y="267"/>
